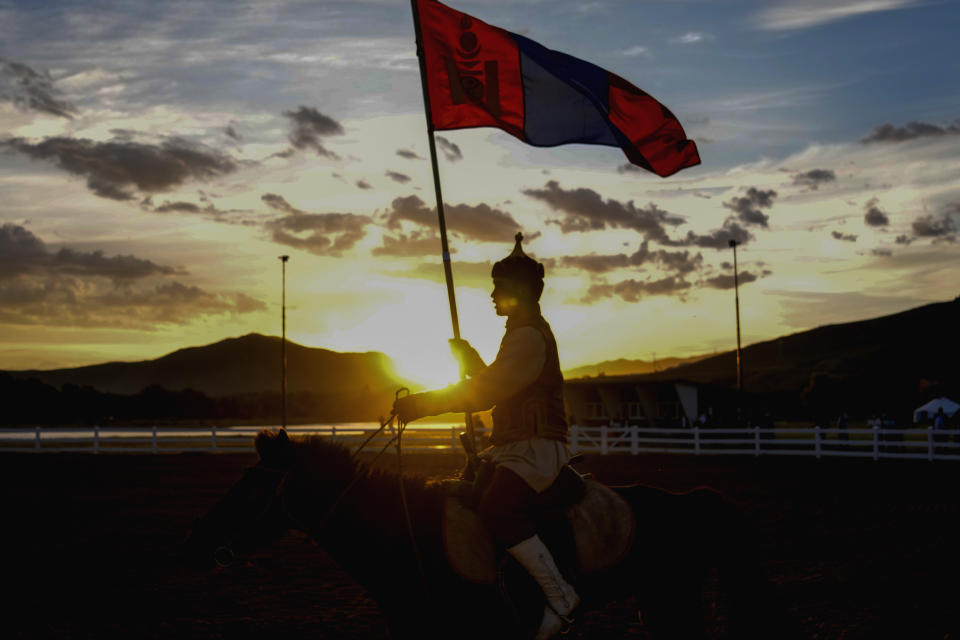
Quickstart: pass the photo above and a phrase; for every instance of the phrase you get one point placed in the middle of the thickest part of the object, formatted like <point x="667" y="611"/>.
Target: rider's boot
<point x="534" y="556"/>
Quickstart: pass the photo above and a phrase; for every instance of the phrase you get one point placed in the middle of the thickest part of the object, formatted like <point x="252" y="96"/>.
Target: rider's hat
<point x="520" y="267"/>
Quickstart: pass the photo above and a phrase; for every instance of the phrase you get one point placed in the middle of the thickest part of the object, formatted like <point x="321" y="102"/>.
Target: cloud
<point x="450" y="151"/>
<point x="90" y="289"/>
<point x="30" y="90"/>
<point x="675" y="262"/>
<point x="630" y="168"/>
<point x="929" y="226"/>
<point x="718" y="238"/>
<point x="22" y="252"/>
<point x="586" y="210"/>
<point x="692" y="37"/>
<point x="811" y="180"/>
<point x="408" y="154"/>
<point x="181" y="207"/>
<point x="417" y="243"/>
<point x="119" y="168"/>
<point x="802" y="14"/>
<point x="635" y="290"/>
<point x="904" y="239"/>
<point x="231" y="133"/>
<point x="875" y="216"/>
<point x="319" y="233"/>
<point x="846" y="237"/>
<point x="308" y="126"/>
<point x="397" y="177"/>
<point x="363" y="184"/>
<point x="748" y="207"/>
<point x="726" y="281"/>
<point x="911" y="131"/>
<point x="636" y="51"/>
<point x="883" y="253"/>
<point x="476" y="222"/>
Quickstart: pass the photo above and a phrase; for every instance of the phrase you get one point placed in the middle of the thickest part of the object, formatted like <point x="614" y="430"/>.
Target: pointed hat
<point x="518" y="265"/>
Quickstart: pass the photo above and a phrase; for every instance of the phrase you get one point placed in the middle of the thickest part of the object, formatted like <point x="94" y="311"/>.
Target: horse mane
<point x="326" y="467"/>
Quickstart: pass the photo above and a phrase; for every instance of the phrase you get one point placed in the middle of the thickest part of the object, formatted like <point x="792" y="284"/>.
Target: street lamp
<point x="283" y="344"/>
<point x="736" y="297"/>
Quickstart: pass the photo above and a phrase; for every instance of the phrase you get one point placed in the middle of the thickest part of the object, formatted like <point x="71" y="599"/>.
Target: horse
<point x="689" y="571"/>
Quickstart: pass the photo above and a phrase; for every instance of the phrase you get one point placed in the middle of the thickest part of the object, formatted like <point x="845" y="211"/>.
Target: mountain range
<point x="914" y="353"/>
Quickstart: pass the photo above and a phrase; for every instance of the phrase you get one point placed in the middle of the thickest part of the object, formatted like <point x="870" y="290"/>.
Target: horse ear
<point x="274" y="447"/>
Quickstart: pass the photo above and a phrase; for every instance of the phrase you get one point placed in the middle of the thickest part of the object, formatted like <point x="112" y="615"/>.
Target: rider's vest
<point x="537" y="409"/>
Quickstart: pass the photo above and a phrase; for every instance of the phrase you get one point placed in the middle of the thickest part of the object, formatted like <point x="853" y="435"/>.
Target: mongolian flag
<point x="478" y="75"/>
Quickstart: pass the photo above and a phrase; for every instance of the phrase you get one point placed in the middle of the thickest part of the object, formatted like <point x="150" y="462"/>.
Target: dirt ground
<point x="858" y="549"/>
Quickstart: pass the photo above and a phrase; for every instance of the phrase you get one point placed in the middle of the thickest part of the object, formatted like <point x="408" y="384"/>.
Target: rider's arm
<point x="519" y="362"/>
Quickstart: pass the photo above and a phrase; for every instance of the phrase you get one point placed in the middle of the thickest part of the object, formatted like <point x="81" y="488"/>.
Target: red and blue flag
<point x="479" y="75"/>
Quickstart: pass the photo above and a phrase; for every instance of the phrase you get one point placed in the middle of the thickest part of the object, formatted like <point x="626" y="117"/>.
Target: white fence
<point x="876" y="443"/>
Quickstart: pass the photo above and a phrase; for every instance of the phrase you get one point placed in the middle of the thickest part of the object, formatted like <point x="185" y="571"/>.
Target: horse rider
<point x="529" y="438"/>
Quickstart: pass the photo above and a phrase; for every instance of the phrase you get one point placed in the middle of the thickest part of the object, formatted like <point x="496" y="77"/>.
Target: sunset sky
<point x="157" y="157"/>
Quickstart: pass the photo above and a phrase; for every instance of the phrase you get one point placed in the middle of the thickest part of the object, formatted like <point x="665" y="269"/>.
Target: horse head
<point x="251" y="514"/>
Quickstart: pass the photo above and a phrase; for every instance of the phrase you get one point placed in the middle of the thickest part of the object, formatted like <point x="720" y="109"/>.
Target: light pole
<point x="283" y="343"/>
<point x="736" y="297"/>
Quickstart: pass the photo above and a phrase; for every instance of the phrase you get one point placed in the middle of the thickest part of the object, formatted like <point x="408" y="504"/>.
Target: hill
<point x="622" y="366"/>
<point x="235" y="366"/>
<point x="860" y="365"/>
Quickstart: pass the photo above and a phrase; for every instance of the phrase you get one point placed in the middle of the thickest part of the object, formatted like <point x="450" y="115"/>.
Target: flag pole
<point x="447" y="270"/>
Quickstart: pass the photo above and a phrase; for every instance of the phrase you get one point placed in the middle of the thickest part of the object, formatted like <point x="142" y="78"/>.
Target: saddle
<point x="587" y="526"/>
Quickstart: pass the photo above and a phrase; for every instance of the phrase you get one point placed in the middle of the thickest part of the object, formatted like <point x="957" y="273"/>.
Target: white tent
<point x="949" y="408"/>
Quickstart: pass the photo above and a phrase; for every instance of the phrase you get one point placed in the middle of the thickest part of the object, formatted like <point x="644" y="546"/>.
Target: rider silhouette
<point x="529" y="438"/>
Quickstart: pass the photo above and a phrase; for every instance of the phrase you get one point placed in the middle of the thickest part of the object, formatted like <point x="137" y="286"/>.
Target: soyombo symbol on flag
<point x="479" y="75"/>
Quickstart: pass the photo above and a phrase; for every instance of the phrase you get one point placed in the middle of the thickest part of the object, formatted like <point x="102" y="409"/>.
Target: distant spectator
<point x="842" y="422"/>
<point x="939" y="421"/>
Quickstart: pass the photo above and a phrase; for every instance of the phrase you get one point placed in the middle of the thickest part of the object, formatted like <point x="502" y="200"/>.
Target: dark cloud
<point x="308" y="126"/>
<point x="875" y="216"/>
<point x="30" y="90"/>
<point x="930" y="226"/>
<point x="846" y="237"/>
<point x="883" y="253"/>
<point x="635" y="290"/>
<point x="629" y="168"/>
<point x="417" y="243"/>
<point x="119" y="168"/>
<point x="22" y="252"/>
<point x="911" y="131"/>
<point x="232" y="133"/>
<point x="718" y="238"/>
<point x="675" y="262"/>
<point x="318" y="233"/>
<point x="363" y="184"/>
<point x="476" y="222"/>
<point x="450" y="151"/>
<point x="726" y="281"/>
<point x="748" y="207"/>
<point x="409" y="155"/>
<point x="586" y="210"/>
<point x="90" y="289"/>
<point x="904" y="239"/>
<point x="396" y="176"/>
<point x="181" y="207"/>
<point x="812" y="179"/>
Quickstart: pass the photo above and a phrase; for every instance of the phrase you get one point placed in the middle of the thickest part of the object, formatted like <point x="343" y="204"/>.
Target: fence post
<point x="154" y="443"/>
<point x="634" y="445"/>
<point x="333" y="431"/>
<point x="213" y="438"/>
<point x="36" y="439"/>
<point x="876" y="442"/>
<point x="603" y="440"/>
<point x="816" y="440"/>
<point x="96" y="439"/>
<point x="574" y="439"/>
<point x="696" y="439"/>
<point x="756" y="442"/>
<point x="931" y="452"/>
